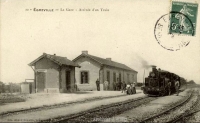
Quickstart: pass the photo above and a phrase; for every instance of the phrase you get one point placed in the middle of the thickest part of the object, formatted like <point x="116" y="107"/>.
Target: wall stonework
<point x="45" y="63"/>
<point x="52" y="78"/>
<point x="97" y="71"/>
<point x="93" y="73"/>
<point x="118" y="71"/>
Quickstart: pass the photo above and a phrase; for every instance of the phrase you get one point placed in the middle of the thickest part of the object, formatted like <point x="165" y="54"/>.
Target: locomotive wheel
<point x="162" y="93"/>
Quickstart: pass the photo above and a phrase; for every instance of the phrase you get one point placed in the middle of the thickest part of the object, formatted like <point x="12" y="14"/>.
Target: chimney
<point x="54" y="54"/>
<point x="85" y="52"/>
<point x="153" y="68"/>
<point x="108" y="59"/>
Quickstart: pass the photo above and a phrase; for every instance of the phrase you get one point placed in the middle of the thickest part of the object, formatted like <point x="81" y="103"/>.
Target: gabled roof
<point x="56" y="59"/>
<point x="107" y="62"/>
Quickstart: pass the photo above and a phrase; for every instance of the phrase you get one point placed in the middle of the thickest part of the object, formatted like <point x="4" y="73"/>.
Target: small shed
<point x="53" y="74"/>
<point x="27" y="87"/>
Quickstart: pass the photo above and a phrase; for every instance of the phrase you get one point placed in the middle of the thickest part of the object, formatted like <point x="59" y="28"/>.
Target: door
<point x="41" y="81"/>
<point x="108" y="79"/>
<point x="68" y="85"/>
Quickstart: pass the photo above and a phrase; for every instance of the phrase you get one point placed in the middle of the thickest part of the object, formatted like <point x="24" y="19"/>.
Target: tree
<point x="2" y="87"/>
<point x="191" y="82"/>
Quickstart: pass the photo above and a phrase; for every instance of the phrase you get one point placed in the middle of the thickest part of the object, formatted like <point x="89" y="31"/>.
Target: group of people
<point x="128" y="88"/>
<point x="177" y="85"/>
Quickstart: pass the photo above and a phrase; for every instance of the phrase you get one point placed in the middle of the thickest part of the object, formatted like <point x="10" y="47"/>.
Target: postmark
<point x="179" y="22"/>
<point x="171" y="41"/>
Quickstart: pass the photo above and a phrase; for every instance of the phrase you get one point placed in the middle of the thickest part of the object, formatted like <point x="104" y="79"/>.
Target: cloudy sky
<point x="125" y="33"/>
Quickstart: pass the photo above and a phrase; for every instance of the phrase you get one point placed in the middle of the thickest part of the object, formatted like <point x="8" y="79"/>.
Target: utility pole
<point x="143" y="76"/>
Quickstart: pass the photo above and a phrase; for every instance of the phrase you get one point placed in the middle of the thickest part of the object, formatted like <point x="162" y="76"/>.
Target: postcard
<point x="99" y="61"/>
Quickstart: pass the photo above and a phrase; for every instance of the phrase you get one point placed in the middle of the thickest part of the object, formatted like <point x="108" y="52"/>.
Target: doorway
<point x="68" y="85"/>
<point x="41" y="78"/>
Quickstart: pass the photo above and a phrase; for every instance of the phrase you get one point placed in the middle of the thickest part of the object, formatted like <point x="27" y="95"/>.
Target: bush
<point x="10" y="98"/>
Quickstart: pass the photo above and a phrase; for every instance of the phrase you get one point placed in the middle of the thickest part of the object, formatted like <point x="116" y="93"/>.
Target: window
<point x="133" y="78"/>
<point x="108" y="76"/>
<point x="84" y="77"/>
<point x="120" y="77"/>
<point x="67" y="80"/>
<point x="114" y="77"/>
<point x="128" y="78"/>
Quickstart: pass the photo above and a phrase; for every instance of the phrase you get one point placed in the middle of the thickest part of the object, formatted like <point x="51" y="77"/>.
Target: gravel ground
<point x="147" y="110"/>
<point x="105" y="112"/>
<point x="168" y="117"/>
<point x="67" y="110"/>
<point x="49" y="99"/>
<point x="194" y="118"/>
<point x="190" y="116"/>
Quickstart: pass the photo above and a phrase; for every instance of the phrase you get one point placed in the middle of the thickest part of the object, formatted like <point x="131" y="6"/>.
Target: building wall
<point x="118" y="71"/>
<point x="45" y="63"/>
<point x="52" y="81"/>
<point x="96" y="71"/>
<point x="93" y="73"/>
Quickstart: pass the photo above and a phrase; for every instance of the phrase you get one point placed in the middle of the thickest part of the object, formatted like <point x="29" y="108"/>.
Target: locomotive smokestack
<point x="153" y="68"/>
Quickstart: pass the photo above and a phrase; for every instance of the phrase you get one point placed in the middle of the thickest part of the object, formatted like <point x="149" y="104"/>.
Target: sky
<point x="125" y="33"/>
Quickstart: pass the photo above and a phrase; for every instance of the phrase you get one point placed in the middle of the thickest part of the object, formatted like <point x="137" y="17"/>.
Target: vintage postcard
<point x="99" y="61"/>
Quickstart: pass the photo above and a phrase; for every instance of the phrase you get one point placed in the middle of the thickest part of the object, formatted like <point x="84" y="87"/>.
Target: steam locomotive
<point x="160" y="82"/>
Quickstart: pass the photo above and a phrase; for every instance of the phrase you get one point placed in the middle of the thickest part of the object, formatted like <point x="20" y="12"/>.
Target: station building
<point x="93" y="68"/>
<point x="53" y="74"/>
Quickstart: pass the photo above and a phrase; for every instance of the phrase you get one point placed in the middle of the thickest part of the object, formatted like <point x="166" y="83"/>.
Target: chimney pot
<point x="85" y="52"/>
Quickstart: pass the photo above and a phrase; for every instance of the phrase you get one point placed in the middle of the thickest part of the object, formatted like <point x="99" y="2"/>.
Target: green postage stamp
<point x="183" y="18"/>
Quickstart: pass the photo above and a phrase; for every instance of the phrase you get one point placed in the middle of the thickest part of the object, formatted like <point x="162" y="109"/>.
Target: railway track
<point x="46" y="107"/>
<point x="164" y="116"/>
<point x="184" y="117"/>
<point x="103" y="112"/>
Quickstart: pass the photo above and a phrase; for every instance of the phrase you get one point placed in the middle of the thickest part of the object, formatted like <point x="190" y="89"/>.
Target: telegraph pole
<point x="143" y="76"/>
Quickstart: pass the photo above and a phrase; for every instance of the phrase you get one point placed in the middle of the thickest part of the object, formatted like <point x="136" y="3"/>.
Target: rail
<point x="168" y="110"/>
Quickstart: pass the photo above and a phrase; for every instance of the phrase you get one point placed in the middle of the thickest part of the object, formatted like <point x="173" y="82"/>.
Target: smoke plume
<point x="144" y="63"/>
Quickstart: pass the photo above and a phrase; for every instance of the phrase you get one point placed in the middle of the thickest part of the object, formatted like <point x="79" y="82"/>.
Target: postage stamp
<point x="183" y="18"/>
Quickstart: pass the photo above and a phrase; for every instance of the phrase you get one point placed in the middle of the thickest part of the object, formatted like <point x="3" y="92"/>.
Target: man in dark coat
<point x="123" y="86"/>
<point x="117" y="85"/>
<point x="98" y="85"/>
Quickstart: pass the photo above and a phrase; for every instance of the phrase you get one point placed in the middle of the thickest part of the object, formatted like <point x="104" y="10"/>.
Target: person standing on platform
<point x="117" y="85"/>
<point x="114" y="85"/>
<point x="169" y="88"/>
<point x="177" y="87"/>
<point x="123" y="86"/>
<point x="133" y="86"/>
<point x="98" y="85"/>
<point x="106" y="85"/>
<point x="120" y="85"/>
